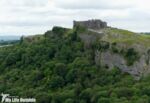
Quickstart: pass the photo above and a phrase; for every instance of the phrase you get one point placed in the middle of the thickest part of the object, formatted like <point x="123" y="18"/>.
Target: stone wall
<point x="91" y="24"/>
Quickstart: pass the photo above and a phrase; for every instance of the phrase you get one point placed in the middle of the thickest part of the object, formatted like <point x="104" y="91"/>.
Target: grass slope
<point x="127" y="37"/>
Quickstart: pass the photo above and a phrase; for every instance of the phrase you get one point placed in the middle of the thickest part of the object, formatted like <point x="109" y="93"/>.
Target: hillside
<point x="79" y="65"/>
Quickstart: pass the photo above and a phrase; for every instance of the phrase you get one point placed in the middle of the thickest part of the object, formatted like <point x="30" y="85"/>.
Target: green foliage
<point x="104" y="100"/>
<point x="148" y="58"/>
<point x="59" y="31"/>
<point x="69" y="101"/>
<point x="146" y="91"/>
<point x="86" y="95"/>
<point x="43" y="98"/>
<point x="131" y="56"/>
<point x="56" y="82"/>
<point x="102" y="45"/>
<point x="124" y="92"/>
<point x="58" y="69"/>
<point x="74" y="36"/>
<point x="114" y="48"/>
<point x="48" y="34"/>
<point x="80" y="29"/>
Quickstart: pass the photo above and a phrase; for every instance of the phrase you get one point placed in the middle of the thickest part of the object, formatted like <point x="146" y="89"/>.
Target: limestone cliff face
<point x="138" y="69"/>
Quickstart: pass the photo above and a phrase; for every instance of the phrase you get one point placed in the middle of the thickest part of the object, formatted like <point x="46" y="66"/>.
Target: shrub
<point x="56" y="82"/>
<point x="43" y="98"/>
<point x="102" y="45"/>
<point x="103" y="100"/>
<point x="131" y="56"/>
<point x="124" y="92"/>
<point x="59" y="31"/>
<point x="60" y="69"/>
<point x="80" y="29"/>
<point x="69" y="101"/>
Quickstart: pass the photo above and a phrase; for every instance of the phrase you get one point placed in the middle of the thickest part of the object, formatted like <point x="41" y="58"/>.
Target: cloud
<point x="94" y="4"/>
<point x="19" y="17"/>
<point x="23" y="3"/>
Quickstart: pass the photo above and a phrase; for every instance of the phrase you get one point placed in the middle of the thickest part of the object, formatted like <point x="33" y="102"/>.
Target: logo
<point x="6" y="98"/>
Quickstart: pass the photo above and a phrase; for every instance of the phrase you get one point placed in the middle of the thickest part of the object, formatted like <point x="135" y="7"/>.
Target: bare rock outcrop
<point x="138" y="69"/>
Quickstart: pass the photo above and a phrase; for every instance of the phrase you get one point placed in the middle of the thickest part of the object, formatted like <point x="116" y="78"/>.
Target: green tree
<point x="56" y="82"/>
<point x="60" y="69"/>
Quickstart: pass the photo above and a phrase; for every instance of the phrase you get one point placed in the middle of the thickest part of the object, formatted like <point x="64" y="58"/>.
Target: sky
<point x="29" y="17"/>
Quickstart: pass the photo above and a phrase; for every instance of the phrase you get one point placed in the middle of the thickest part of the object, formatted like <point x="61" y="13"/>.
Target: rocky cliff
<point x="126" y="50"/>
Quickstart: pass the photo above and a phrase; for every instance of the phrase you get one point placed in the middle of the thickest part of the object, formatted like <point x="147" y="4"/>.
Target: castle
<point x="91" y="24"/>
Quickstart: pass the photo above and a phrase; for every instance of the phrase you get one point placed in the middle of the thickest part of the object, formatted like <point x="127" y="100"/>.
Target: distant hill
<point x="8" y="38"/>
<point x="147" y="33"/>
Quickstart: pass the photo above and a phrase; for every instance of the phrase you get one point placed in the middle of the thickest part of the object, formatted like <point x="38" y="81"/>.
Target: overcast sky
<point x="26" y="17"/>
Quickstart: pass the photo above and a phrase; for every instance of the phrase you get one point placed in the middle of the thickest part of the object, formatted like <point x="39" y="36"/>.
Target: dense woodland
<point x="57" y="68"/>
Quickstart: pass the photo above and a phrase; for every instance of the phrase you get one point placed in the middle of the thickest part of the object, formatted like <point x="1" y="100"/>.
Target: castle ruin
<point x="91" y="24"/>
